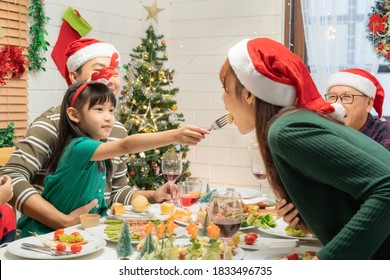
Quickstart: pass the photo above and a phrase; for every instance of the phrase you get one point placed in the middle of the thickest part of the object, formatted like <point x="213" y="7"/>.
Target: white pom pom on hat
<point x="361" y="80"/>
<point x="276" y="75"/>
<point x="83" y="50"/>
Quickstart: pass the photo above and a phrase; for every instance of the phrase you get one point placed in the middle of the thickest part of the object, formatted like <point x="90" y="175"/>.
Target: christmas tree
<point x="147" y="106"/>
<point x="124" y="248"/>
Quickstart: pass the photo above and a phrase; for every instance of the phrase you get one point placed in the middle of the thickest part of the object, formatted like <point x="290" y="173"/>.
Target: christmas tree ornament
<point x="145" y="56"/>
<point x="153" y="11"/>
<point x="124" y="249"/>
<point x="173" y="118"/>
<point x="73" y="27"/>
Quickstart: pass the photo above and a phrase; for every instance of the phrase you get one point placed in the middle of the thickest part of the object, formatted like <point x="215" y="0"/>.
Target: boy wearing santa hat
<point x="27" y="164"/>
<point x="311" y="157"/>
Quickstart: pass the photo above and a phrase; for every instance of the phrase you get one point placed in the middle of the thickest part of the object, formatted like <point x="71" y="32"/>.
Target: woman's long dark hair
<point x="92" y="94"/>
<point x="265" y="115"/>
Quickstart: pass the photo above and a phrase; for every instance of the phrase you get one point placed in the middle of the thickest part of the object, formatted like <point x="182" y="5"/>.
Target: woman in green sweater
<point x="338" y="178"/>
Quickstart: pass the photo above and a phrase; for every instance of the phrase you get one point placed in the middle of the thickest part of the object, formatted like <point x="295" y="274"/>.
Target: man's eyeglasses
<point x="345" y="98"/>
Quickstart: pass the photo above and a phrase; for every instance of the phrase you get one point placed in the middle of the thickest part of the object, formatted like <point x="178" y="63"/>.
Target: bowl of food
<point x="89" y="220"/>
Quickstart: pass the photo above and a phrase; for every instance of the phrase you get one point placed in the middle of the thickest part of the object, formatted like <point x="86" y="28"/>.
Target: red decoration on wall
<point x="11" y="61"/>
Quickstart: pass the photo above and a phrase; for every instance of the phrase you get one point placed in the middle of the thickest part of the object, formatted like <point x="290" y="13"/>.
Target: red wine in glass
<point x="171" y="177"/>
<point x="228" y="226"/>
<point x="188" y="200"/>
<point x="260" y="175"/>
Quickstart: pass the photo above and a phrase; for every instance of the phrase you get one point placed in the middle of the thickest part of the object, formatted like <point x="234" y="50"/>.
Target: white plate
<point x="248" y="227"/>
<point x="255" y="200"/>
<point x="94" y="244"/>
<point x="279" y="231"/>
<point x="131" y="214"/>
<point x="238" y="253"/>
<point x="265" y="243"/>
<point x="99" y="231"/>
<point x="277" y="253"/>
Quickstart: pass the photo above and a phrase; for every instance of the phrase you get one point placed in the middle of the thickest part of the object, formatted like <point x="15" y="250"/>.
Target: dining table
<point x="271" y="243"/>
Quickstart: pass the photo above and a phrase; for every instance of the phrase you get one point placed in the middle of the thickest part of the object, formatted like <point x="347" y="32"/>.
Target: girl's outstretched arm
<point x="186" y="135"/>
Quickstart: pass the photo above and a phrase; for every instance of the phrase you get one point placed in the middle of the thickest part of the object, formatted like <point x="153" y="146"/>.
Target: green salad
<point x="258" y="220"/>
<point x="294" y="232"/>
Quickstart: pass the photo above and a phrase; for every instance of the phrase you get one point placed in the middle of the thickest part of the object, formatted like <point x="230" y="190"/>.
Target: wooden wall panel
<point x="14" y="95"/>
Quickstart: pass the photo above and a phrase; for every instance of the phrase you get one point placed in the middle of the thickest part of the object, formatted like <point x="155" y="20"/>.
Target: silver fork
<point x="218" y="123"/>
<point x="44" y="250"/>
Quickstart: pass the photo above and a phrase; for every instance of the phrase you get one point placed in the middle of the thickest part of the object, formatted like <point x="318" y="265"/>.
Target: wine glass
<point x="258" y="169"/>
<point x="225" y="211"/>
<point x="203" y="181"/>
<point x="171" y="167"/>
<point x="189" y="193"/>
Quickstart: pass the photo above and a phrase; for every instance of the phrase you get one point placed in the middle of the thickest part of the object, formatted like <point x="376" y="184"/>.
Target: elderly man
<point x="358" y="91"/>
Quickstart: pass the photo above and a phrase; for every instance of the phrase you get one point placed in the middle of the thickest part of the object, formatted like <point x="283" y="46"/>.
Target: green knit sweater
<point x="339" y="180"/>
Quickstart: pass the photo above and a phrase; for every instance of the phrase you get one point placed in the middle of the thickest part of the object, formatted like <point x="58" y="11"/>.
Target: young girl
<point x="338" y="178"/>
<point x="7" y="215"/>
<point x="81" y="161"/>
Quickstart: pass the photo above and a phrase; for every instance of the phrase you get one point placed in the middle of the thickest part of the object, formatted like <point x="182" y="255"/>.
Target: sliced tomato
<point x="58" y="232"/>
<point x="293" y="256"/>
<point x="61" y="247"/>
<point x="76" y="248"/>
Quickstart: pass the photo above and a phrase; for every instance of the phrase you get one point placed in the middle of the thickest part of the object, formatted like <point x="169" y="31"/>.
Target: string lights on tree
<point x="148" y="105"/>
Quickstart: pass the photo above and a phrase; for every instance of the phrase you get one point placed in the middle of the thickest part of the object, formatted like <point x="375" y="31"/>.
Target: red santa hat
<point x="83" y="50"/>
<point x="362" y="81"/>
<point x="276" y="75"/>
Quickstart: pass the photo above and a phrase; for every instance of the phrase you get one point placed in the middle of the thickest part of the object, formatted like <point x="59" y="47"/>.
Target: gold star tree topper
<point x="153" y="11"/>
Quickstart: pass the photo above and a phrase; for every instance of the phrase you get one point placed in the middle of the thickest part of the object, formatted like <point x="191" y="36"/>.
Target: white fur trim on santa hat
<point x="356" y="81"/>
<point x="258" y="84"/>
<point x="339" y="111"/>
<point x="87" y="53"/>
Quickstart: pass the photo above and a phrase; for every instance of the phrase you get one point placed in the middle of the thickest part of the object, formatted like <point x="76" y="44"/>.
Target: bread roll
<point x="117" y="209"/>
<point x="140" y="203"/>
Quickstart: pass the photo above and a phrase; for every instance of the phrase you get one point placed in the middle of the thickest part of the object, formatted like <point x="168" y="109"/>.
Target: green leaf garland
<point x="37" y="32"/>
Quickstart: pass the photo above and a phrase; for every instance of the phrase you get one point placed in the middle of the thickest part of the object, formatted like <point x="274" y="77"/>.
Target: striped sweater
<point x="26" y="164"/>
<point x="339" y="180"/>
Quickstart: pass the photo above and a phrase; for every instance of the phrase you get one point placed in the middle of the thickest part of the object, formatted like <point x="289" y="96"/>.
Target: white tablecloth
<point x="109" y="251"/>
